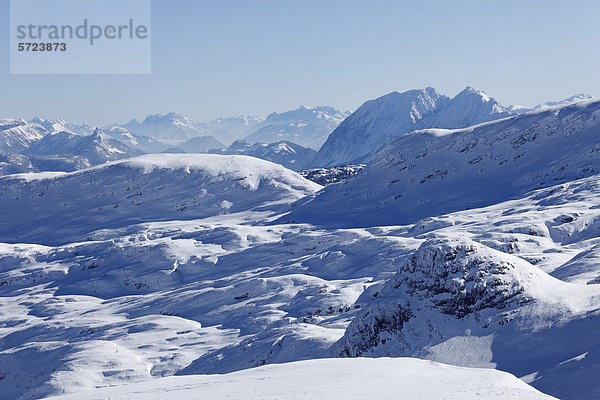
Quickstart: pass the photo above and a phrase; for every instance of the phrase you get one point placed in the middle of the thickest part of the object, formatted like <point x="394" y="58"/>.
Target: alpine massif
<point x="371" y="127"/>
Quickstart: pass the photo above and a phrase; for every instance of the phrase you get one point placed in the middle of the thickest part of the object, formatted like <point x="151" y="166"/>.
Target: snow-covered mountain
<point x="17" y="135"/>
<point x="431" y="172"/>
<point x="201" y="144"/>
<point x="18" y="163"/>
<point x="573" y="99"/>
<point x="59" y="125"/>
<point x="171" y="128"/>
<point x="52" y="137"/>
<point x="133" y="140"/>
<point x="57" y="145"/>
<point x="469" y="107"/>
<point x="307" y="126"/>
<point x="377" y="122"/>
<point x="229" y="129"/>
<point x="288" y="154"/>
<point x="97" y="147"/>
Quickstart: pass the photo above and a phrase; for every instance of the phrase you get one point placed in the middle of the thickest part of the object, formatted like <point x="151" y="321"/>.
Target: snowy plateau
<point x="449" y="262"/>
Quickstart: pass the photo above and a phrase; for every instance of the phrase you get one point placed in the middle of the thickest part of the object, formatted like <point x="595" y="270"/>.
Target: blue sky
<point x="213" y="58"/>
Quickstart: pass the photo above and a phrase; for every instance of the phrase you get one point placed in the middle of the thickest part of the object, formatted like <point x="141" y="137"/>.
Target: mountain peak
<point x="170" y="116"/>
<point x="377" y="122"/>
<point x="471" y="91"/>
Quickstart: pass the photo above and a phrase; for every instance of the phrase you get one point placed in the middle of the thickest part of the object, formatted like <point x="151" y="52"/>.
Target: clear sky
<point x="219" y="58"/>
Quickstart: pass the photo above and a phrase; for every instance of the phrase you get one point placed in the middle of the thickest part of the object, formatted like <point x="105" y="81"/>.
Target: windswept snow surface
<point x="332" y="379"/>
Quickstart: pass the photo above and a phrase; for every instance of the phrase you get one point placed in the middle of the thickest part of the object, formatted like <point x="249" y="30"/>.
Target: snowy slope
<point x="431" y="172"/>
<point x="377" y="122"/>
<point x="165" y="265"/>
<point x="331" y="379"/>
<point x="460" y="302"/>
<point x="573" y="99"/>
<point x="17" y="163"/>
<point x="163" y="186"/>
<point x="215" y="292"/>
<point x="288" y="154"/>
<point x="307" y="126"/>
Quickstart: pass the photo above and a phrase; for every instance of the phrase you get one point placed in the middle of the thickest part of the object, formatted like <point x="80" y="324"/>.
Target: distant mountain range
<point x="170" y="129"/>
<point x="288" y="154"/>
<point x="289" y="138"/>
<point x="307" y="126"/>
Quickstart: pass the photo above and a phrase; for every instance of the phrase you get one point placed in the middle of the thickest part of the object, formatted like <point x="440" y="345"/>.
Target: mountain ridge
<point x="377" y="122"/>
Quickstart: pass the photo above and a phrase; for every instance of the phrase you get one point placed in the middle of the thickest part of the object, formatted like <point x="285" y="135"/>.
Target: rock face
<point x="435" y="171"/>
<point x="449" y="277"/>
<point x="377" y="122"/>
<point x="458" y="301"/>
<point x="331" y="175"/>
